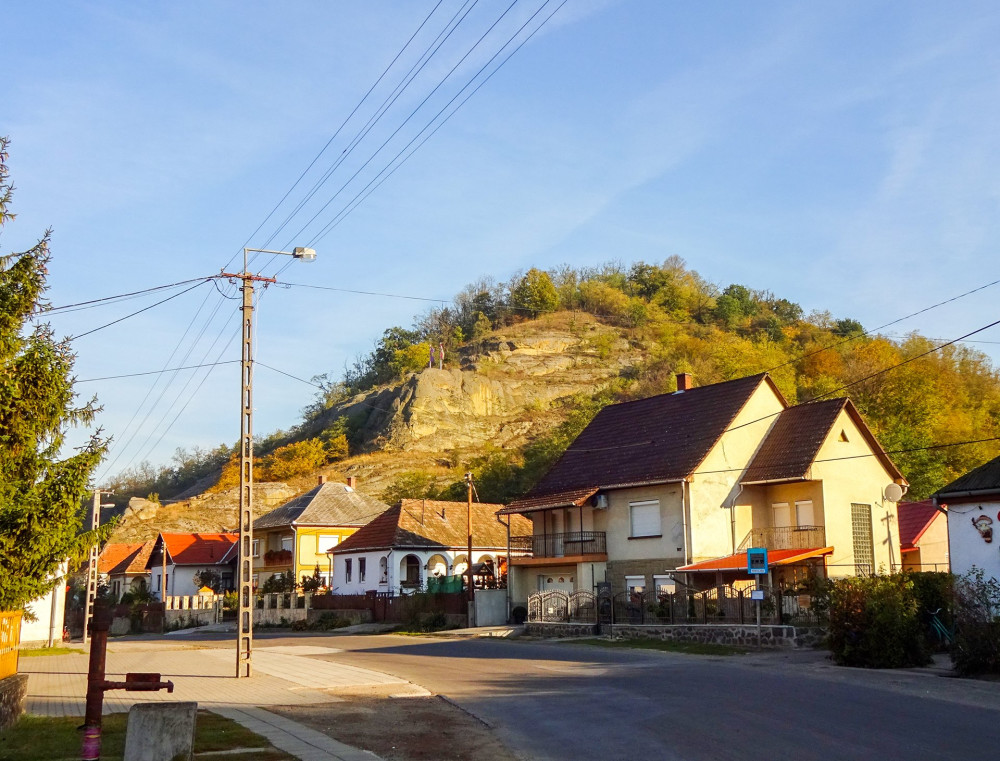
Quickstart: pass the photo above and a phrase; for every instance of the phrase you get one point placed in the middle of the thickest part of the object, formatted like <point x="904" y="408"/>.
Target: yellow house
<point x="297" y="535"/>
<point x="679" y="486"/>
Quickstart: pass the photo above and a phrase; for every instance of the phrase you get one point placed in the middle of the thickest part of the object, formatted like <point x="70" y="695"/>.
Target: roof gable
<point x="654" y="440"/>
<point x="329" y="504"/>
<point x="914" y="519"/>
<point x="117" y="559"/>
<point x="433" y="524"/>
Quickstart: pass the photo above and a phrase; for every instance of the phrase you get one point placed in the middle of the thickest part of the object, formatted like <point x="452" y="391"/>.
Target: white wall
<point x="37" y="632"/>
<point x="373" y="576"/>
<point x="179" y="580"/>
<point x="967" y="547"/>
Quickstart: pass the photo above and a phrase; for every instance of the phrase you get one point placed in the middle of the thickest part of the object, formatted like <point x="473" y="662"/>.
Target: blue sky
<point x="843" y="155"/>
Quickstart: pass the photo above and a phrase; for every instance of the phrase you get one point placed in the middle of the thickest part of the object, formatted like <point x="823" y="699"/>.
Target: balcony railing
<point x="559" y="545"/>
<point x="785" y="538"/>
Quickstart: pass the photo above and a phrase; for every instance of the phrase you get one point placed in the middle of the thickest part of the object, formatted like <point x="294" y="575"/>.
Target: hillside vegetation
<point x="528" y="363"/>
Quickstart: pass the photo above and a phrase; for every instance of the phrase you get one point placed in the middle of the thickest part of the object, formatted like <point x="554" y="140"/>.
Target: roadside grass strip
<point x="38" y="652"/>
<point x="44" y="738"/>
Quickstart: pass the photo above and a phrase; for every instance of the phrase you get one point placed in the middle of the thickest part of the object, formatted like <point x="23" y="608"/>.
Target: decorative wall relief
<point x="984" y="525"/>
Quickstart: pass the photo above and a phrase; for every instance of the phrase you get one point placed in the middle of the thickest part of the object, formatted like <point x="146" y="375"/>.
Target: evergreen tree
<point x="41" y="508"/>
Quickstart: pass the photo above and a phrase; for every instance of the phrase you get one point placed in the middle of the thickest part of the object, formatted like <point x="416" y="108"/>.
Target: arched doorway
<point x="409" y="572"/>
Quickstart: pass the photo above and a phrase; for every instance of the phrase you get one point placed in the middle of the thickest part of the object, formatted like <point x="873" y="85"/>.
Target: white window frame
<point x="383" y="570"/>
<point x="635" y="584"/>
<point x="362" y="567"/>
<point x="664" y="585"/>
<point x="255" y="548"/>
<point x="291" y="543"/>
<point x="812" y="513"/>
<point x="787" y="508"/>
<point x="326" y="542"/>
<point x="645" y="510"/>
<point x="347" y="570"/>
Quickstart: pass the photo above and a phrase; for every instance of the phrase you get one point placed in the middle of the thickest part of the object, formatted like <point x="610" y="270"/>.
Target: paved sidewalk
<point x="57" y="686"/>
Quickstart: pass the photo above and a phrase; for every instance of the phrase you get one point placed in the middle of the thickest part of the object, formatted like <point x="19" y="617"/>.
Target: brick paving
<point x="57" y="686"/>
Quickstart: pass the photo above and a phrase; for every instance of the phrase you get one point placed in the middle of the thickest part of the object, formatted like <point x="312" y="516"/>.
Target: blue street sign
<point x="757" y="561"/>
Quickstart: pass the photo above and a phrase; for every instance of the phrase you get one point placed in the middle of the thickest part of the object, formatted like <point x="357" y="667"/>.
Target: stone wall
<point x="13" y="693"/>
<point x="735" y="635"/>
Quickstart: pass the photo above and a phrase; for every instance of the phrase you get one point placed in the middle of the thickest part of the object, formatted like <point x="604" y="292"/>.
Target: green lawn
<point x="692" y="648"/>
<point x="40" y="738"/>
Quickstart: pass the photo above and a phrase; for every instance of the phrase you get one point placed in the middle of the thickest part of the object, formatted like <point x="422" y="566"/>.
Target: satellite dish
<point x="893" y="492"/>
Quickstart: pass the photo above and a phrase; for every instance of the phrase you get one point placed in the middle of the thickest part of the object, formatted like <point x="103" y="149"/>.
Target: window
<point x="383" y="571"/>
<point x="327" y="542"/>
<point x="644" y="518"/>
<point x="664" y="585"/>
<point x="362" y="562"/>
<point x="255" y="548"/>
<point x="782" y="515"/>
<point x="635" y="585"/>
<point x="347" y="570"/>
<point x="861" y="533"/>
<point x="804" y="513"/>
<point x="255" y="581"/>
<point x="287" y="543"/>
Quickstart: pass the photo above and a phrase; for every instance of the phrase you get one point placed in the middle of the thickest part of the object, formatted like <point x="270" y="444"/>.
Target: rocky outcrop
<point x="497" y="391"/>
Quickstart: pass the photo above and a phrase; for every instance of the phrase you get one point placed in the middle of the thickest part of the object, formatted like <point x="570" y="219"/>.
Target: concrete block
<point x="160" y="731"/>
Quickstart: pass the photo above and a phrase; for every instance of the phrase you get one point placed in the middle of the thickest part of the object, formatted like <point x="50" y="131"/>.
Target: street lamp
<point x="244" y="569"/>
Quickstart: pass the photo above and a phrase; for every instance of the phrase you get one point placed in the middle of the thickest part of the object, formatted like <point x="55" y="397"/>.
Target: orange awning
<point x="738" y="562"/>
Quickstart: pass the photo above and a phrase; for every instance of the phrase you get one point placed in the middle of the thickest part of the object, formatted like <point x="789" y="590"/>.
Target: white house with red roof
<point x="176" y="559"/>
<point x="122" y="566"/>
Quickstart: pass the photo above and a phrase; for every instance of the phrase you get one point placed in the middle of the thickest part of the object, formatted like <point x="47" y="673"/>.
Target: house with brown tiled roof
<point x="176" y="559"/>
<point x="923" y="536"/>
<point x="678" y="487"/>
<point x="122" y="566"/>
<point x="296" y="536"/>
<point x="972" y="503"/>
<point x="420" y="539"/>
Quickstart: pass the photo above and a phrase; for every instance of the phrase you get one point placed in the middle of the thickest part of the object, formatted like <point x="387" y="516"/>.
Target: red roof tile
<point x="738" y="562"/>
<point x="117" y="559"/>
<point x="914" y="519"/>
<point x="199" y="549"/>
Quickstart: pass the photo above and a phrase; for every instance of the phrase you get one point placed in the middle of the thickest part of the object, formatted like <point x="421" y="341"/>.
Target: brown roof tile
<point x="985" y="478"/>
<point x="793" y="442"/>
<point x="659" y="439"/>
<point x="116" y="559"/>
<point x="428" y="523"/>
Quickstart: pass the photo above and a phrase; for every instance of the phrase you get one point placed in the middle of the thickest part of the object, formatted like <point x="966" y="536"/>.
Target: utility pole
<point x="244" y="569"/>
<point x="91" y="592"/>
<point x="92" y="569"/>
<point x="468" y="514"/>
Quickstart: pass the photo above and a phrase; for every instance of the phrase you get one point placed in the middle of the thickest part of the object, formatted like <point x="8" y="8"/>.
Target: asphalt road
<point x="569" y="701"/>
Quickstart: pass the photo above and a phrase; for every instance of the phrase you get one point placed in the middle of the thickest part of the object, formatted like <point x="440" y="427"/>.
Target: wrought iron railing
<point x="559" y="545"/>
<point x="785" y="538"/>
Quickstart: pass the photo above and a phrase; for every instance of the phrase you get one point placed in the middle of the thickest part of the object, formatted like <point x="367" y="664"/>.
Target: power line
<point x="133" y="314"/>
<point x="289" y="375"/>
<point x="157" y="372"/>
<point x="94" y="302"/>
<point x="361" y="196"/>
<point x="362" y="293"/>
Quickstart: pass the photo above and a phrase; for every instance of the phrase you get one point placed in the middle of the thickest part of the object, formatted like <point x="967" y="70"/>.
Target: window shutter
<point x="645" y="518"/>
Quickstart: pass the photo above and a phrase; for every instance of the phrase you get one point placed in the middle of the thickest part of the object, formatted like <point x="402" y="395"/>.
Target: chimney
<point x="352" y="482"/>
<point x="684" y="381"/>
<point x="322" y="480"/>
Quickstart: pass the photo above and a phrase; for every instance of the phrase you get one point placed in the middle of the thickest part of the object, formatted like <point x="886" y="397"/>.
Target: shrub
<point x="875" y="623"/>
<point x="935" y="591"/>
<point x="977" y="624"/>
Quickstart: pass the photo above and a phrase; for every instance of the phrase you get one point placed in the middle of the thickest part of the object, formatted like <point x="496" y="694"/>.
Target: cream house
<point x="296" y="536"/>
<point x="678" y="486"/>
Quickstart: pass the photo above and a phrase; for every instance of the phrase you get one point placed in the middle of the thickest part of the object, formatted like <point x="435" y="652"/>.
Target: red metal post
<point x="91" y="750"/>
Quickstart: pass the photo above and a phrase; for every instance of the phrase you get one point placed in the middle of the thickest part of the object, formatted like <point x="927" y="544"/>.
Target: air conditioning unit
<point x="600" y="502"/>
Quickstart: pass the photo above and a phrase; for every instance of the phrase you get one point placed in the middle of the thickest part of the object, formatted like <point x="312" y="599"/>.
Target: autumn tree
<point x="41" y="507"/>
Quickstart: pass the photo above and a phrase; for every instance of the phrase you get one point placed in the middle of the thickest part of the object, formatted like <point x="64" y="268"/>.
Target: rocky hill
<point x="500" y="392"/>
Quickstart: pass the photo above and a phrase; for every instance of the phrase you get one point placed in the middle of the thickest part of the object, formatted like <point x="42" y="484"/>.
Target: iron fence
<point x="785" y="538"/>
<point x="718" y="605"/>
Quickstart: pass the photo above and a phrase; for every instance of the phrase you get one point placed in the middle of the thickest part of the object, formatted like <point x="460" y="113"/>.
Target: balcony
<point x="785" y="538"/>
<point x="277" y="557"/>
<point x="576" y="546"/>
